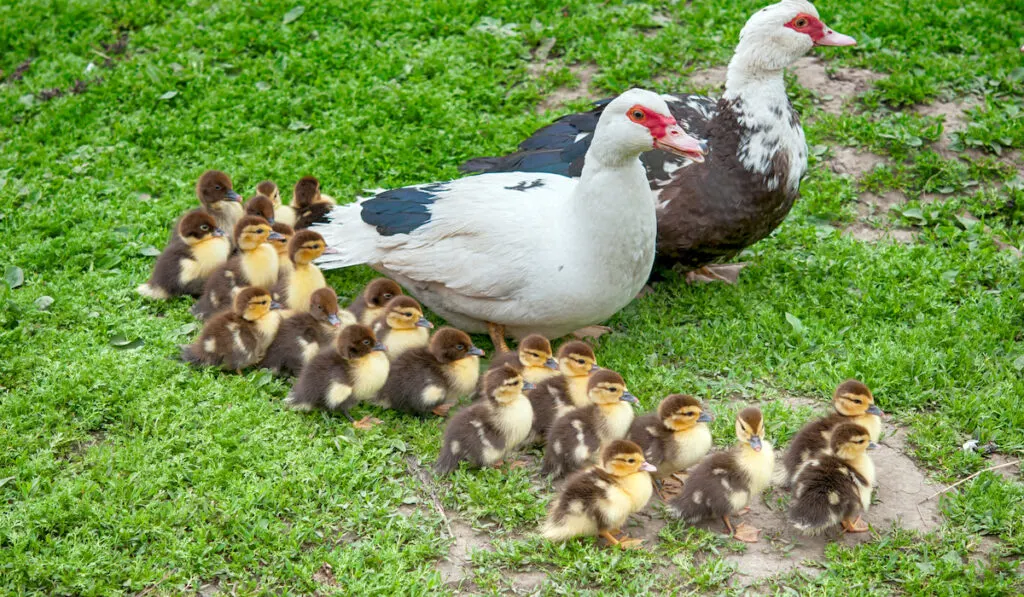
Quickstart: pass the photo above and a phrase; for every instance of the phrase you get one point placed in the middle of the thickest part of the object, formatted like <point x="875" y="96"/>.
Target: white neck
<point x="751" y="78"/>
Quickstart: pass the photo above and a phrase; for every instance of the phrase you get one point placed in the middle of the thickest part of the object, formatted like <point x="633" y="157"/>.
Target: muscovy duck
<point x="519" y="252"/>
<point x="710" y="211"/>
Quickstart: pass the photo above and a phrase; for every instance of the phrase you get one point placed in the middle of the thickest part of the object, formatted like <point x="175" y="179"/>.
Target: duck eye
<point x="460" y="347"/>
<point x="218" y="187"/>
<point x="581" y="361"/>
<point x="637" y="115"/>
<point x="801" y="22"/>
<point x="388" y="295"/>
<point x="366" y="342"/>
<point x="204" y="227"/>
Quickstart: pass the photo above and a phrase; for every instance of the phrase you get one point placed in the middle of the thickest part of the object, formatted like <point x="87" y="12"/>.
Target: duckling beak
<point x="270" y="221"/>
<point x="275" y="305"/>
<point x="872" y="446"/>
<point x="874" y="410"/>
<point x="476" y="352"/>
<point x="232" y="195"/>
<point x="218" y="232"/>
<point x="675" y="140"/>
<point x="647" y="466"/>
<point x="379" y="347"/>
<point x="528" y="386"/>
<point x="551" y="363"/>
<point x="755" y="443"/>
<point x="333" y="319"/>
<point x="594" y="367"/>
<point x="423" y="322"/>
<point x="331" y="251"/>
<point x="629" y="397"/>
<point x="705" y="418"/>
<point x="275" y="236"/>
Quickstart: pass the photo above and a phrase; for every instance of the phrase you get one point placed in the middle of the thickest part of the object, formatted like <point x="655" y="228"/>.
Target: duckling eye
<point x="218" y="187"/>
<point x="388" y="295"/>
<point x="581" y="361"/>
<point x="366" y="342"/>
<point x="460" y="347"/>
<point x="204" y="227"/>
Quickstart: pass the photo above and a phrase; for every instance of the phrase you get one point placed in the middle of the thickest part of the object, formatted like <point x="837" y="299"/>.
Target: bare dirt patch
<point x="711" y="78"/>
<point x="955" y="120"/>
<point x="834" y="87"/>
<point x="854" y="162"/>
<point x="561" y="96"/>
<point x="456" y="567"/>
<point x="867" y="233"/>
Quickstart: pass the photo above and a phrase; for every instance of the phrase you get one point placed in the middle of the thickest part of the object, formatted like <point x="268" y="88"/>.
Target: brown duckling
<point x="309" y="203"/>
<point x="370" y="303"/>
<point x="533" y="358"/>
<point x="674" y="438"/>
<point x="835" y="488"/>
<point x="402" y="326"/>
<point x="853" y="403"/>
<point x="304" y="333"/>
<point x="353" y="370"/>
<point x="255" y="264"/>
<point x="578" y="436"/>
<point x="422" y="380"/>
<point x="599" y="500"/>
<point x="237" y="338"/>
<point x="485" y="432"/>
<point x="724" y="483"/>
<point x="198" y="248"/>
<point x="557" y="395"/>
<point x="260" y="206"/>
<point x="268" y="189"/>
<point x="284" y="263"/>
<point x="305" y="277"/>
<point x="219" y="199"/>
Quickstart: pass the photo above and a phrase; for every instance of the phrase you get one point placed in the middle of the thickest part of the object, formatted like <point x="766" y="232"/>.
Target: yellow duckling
<point x="219" y="199"/>
<point x="533" y="358"/>
<point x="238" y="338"/>
<point x="557" y="395"/>
<point x="193" y="254"/>
<point x="674" y="438"/>
<point x="403" y="326"/>
<point x="255" y="264"/>
<point x="370" y="303"/>
<point x="306" y="277"/>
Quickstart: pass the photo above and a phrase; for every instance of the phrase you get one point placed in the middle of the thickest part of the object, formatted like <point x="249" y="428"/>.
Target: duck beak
<point x="475" y="352"/>
<point x="218" y="232"/>
<point x="629" y="397"/>
<point x="232" y="195"/>
<point x="755" y="443"/>
<point x="423" y="322"/>
<point x="647" y="466"/>
<point x="705" y="418"/>
<point x="379" y="347"/>
<point x="874" y="410"/>
<point x="274" y="305"/>
<point x="333" y="319"/>
<point x="551" y="363"/>
<point x="872" y="446"/>
<point x="528" y="386"/>
<point x="833" y="38"/>
<point x="270" y="221"/>
<point x="675" y="140"/>
<point x="594" y="367"/>
<point x="331" y="251"/>
<point x="275" y="236"/>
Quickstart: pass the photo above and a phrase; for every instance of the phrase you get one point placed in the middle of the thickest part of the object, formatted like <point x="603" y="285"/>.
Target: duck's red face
<point x="819" y="33"/>
<point x="667" y="134"/>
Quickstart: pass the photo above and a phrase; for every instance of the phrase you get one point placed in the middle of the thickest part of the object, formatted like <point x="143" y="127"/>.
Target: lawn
<point x="122" y="471"/>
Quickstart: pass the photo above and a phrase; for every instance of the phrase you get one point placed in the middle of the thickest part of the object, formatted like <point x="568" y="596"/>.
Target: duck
<point x="268" y="189"/>
<point x="371" y="302"/>
<point x="517" y="253"/>
<point x="309" y="203"/>
<point x="723" y="483"/>
<point x="557" y="395"/>
<point x="424" y="380"/>
<point x="304" y="333"/>
<point x="709" y="211"/>
<point x="834" y="488"/>
<point x="600" y="499"/>
<point x="675" y="437"/>
<point x="260" y="205"/>
<point x="198" y="248"/>
<point x="256" y="264"/>
<point x="402" y="326"/>
<point x="237" y="338"/>
<point x="485" y="432"/>
<point x="283" y="213"/>
<point x="284" y="262"/>
<point x="354" y="369"/>
<point x="579" y="435"/>
<point x="218" y="198"/>
<point x="305" y="277"/>
<point x="852" y="402"/>
<point x="533" y="358"/>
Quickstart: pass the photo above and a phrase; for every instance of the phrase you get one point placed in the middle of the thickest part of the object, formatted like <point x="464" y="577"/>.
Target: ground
<point x="124" y="472"/>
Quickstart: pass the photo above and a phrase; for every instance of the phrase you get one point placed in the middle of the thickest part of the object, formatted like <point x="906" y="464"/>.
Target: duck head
<point x="576" y="359"/>
<point x="638" y="121"/>
<point x="404" y="313"/>
<point x="213" y="187"/>
<point x="379" y="291"/>
<point x="306" y="193"/>
<point x="306" y="246"/>
<point x="269" y="189"/>
<point x="503" y="385"/>
<point x="198" y="226"/>
<point x="262" y="206"/>
<point x="750" y="427"/>
<point x="607" y="387"/>
<point x="323" y="306"/>
<point x="623" y="458"/>
<point x="252" y="231"/>
<point x="777" y="35"/>
<point x="849" y="441"/>
<point x="254" y="303"/>
<point x="853" y="399"/>
<point x="680" y="412"/>
<point x="449" y="345"/>
<point x="535" y="351"/>
<point x="357" y="341"/>
<point x="281" y="244"/>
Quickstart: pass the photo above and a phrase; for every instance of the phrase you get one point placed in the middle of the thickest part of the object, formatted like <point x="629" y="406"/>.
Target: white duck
<point x="523" y="253"/>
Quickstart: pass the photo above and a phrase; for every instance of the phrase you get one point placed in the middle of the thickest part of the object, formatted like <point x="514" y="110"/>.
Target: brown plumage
<point x="268" y="189"/>
<point x="423" y="379"/>
<point x="835" y="488"/>
<point x="256" y="264"/>
<point x="260" y="206"/>
<point x="577" y="436"/>
<point x="556" y="395"/>
<point x="219" y="199"/>
<point x="852" y="403"/>
<point x="303" y="334"/>
<point x="369" y="305"/>
<point x="353" y="369"/>
<point x="485" y="432"/>
<point x="533" y="358"/>
<point x="193" y="254"/>
<point x="238" y="338"/>
<point x="309" y="203"/>
<point x="284" y="263"/>
<point x="402" y="326"/>
<point x="675" y="437"/>
<point x="305" y="277"/>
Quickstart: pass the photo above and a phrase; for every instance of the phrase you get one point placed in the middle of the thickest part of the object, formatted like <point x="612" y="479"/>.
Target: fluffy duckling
<point x="260" y="206"/>
<point x="309" y="203"/>
<point x="423" y="379"/>
<point x="237" y="338"/>
<point x="557" y="395"/>
<point x="305" y="277"/>
<point x="674" y="438"/>
<point x="370" y="303"/>
<point x="256" y="264"/>
<point x="353" y="370"/>
<point x="284" y="263"/>
<point x="724" y="482"/>
<point x="599" y="500"/>
<point x="835" y="488"/>
<point x="853" y="403"/>
<point x="402" y="326"/>
<point x="303" y="334"/>
<point x="198" y="248"/>
<point x="483" y="433"/>
<point x="578" y="436"/>
<point x="268" y="189"/>
<point x="533" y="358"/>
<point x="219" y="199"/>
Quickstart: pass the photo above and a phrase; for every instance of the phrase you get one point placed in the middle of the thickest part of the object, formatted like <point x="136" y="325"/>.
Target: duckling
<point x="309" y="203"/>
<point x="198" y="248"/>
<point x="674" y="438"/>
<point x="219" y="199"/>
<point x="423" y="379"/>
<point x="402" y="326"/>
<point x="353" y="370"/>
<point x="533" y="358"/>
<point x="261" y="206"/>
<point x="557" y="395"/>
<point x="237" y="338"/>
<point x="483" y="433"/>
<point x="724" y="482"/>
<point x="835" y="488"/>
<point x="853" y="403"/>
<point x="579" y="435"/>
<point x="303" y="334"/>
<point x="255" y="265"/>
<point x="599" y="500"/>
<point x="370" y="303"/>
<point x="305" y="277"/>
<point x="268" y="189"/>
<point x="284" y="263"/>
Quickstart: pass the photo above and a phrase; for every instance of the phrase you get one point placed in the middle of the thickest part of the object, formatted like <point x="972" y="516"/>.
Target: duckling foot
<point x="857" y="526"/>
<point x="366" y="422"/>
<point x="497" y="333"/>
<point x="441" y="410"/>
<point x="728" y="273"/>
<point x="680" y="476"/>
<point x="746" y="533"/>
<point x="628" y="543"/>
<point x="668" y="488"/>
<point x="591" y="331"/>
<point x="745" y="510"/>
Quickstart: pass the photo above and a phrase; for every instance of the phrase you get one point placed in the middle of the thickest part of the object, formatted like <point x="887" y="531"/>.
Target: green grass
<point x="123" y="471"/>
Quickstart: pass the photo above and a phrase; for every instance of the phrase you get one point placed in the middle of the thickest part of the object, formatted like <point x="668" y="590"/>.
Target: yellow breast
<point x="369" y="375"/>
<point x="578" y="390"/>
<point x="758" y="465"/>
<point x="873" y="423"/>
<point x="463" y="375"/>
<point x="370" y="314"/>
<point x="209" y="254"/>
<point x="302" y="283"/>
<point x="617" y="419"/>
<point x="535" y="375"/>
<point x="285" y="214"/>
<point x="515" y="421"/>
<point x="260" y="266"/>
<point x="399" y="341"/>
<point x="267" y="326"/>
<point x="691" y="446"/>
<point x="638" y="487"/>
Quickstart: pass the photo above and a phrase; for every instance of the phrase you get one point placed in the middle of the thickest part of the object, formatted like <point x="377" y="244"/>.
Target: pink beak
<point x="647" y="466"/>
<point x="675" y="140"/>
<point x="833" y="38"/>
